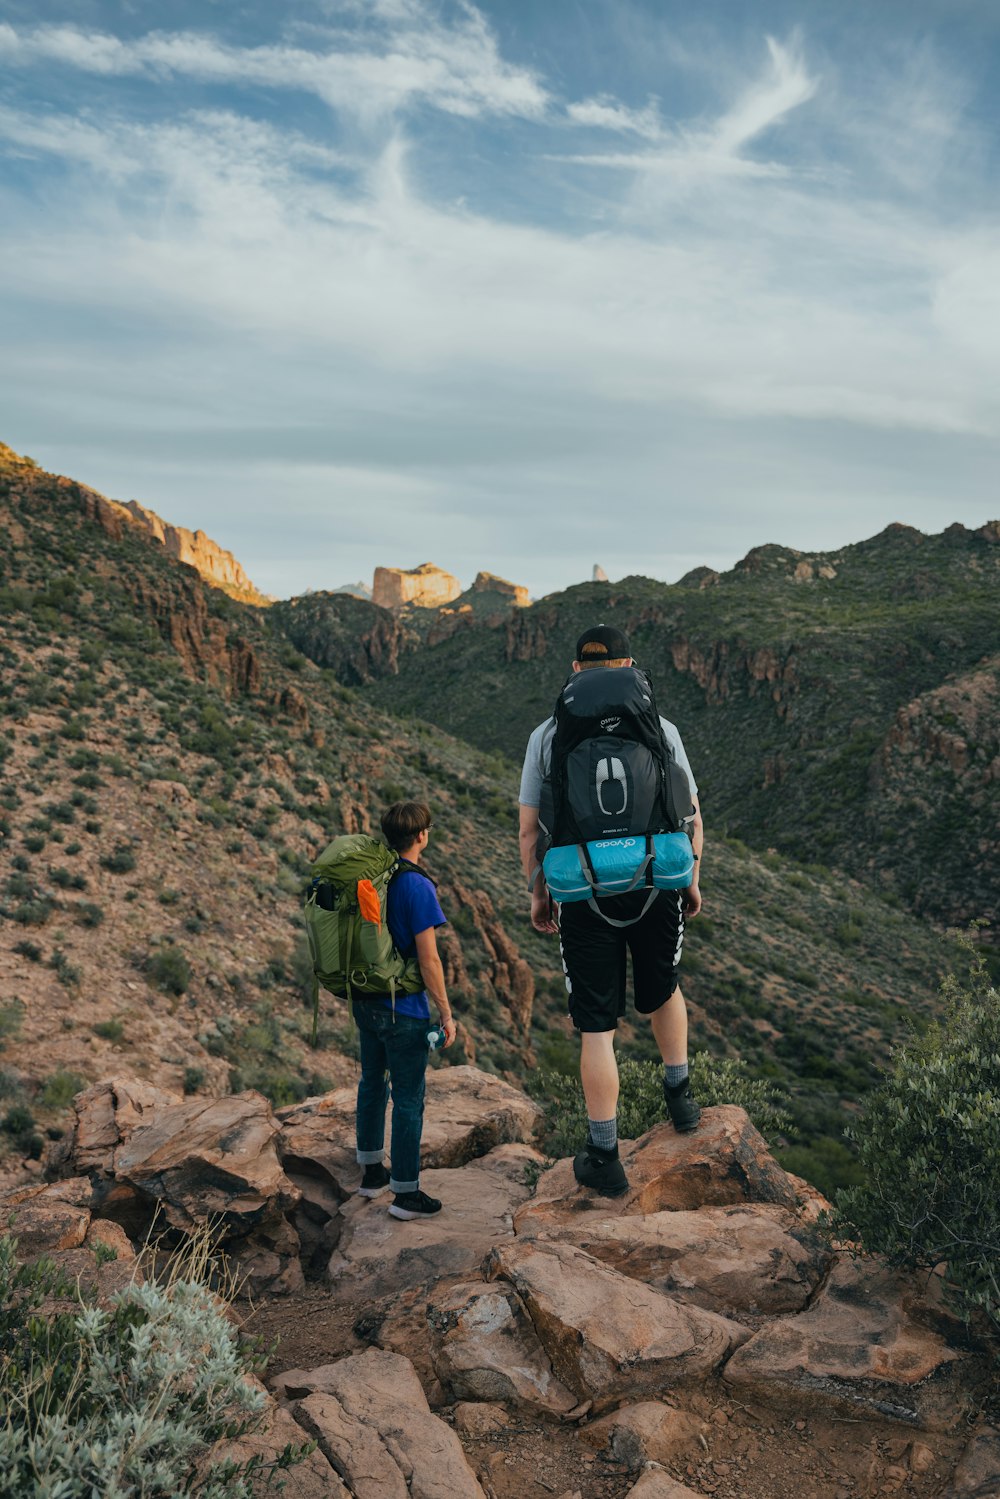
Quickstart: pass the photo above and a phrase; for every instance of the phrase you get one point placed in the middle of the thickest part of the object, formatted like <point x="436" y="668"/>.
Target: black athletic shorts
<point x="593" y="954"/>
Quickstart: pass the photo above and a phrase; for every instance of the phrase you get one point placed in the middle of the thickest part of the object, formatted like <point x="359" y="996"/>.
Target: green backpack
<point x="349" y="940"/>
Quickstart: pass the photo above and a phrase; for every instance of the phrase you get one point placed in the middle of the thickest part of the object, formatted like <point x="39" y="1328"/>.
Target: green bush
<point x="641" y="1103"/>
<point x="929" y="1145"/>
<point x="60" y="1089"/>
<point x="170" y="970"/>
<point x="120" y="861"/>
<point x="123" y="1399"/>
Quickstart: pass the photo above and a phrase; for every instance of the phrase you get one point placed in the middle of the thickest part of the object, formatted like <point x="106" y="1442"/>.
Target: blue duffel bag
<point x="613" y="866"/>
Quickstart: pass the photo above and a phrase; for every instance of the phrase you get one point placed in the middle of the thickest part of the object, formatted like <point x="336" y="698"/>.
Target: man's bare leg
<point x="599" y="1073"/>
<point x="670" y="1030"/>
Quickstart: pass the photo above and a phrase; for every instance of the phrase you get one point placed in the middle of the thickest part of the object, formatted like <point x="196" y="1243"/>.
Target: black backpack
<point x="612" y="773"/>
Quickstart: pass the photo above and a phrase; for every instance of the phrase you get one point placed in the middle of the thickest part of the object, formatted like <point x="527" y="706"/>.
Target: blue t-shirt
<point x="411" y="907"/>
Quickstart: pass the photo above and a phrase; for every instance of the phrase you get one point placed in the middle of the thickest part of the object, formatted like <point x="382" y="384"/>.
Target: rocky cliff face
<point x="425" y="587"/>
<point x="213" y="562"/>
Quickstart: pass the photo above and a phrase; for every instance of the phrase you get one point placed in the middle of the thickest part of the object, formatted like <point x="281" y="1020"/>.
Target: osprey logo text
<point x="610" y="724"/>
<point x="616" y="843"/>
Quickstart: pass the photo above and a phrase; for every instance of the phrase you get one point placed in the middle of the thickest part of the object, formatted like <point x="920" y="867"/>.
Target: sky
<point x="517" y="286"/>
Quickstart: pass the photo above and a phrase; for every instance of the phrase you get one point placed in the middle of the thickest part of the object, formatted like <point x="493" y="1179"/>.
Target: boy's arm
<point x="432" y="974"/>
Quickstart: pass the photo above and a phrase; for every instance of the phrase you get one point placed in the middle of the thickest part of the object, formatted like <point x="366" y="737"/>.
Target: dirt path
<point x="750" y="1452"/>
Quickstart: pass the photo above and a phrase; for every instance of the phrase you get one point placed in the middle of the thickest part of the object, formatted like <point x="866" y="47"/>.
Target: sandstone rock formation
<point x="491" y="584"/>
<point x="371" y="1419"/>
<point x="423" y="587"/>
<point x="598" y="575"/>
<point x="534" y="1312"/>
<point x="860" y="1347"/>
<point x="213" y="562"/>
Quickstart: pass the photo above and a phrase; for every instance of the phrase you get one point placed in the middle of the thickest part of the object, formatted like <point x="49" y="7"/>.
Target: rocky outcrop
<point x="723" y="668"/>
<point x="606" y="1335"/>
<point x="358" y="641"/>
<point x="512" y="979"/>
<point x="743" y="1259"/>
<point x="371" y="1419"/>
<point x="196" y="1161"/>
<point x="513" y="593"/>
<point x="423" y="587"/>
<point x="206" y="647"/>
<point x="861" y="1348"/>
<point x="726" y="1161"/>
<point x="598" y="575"/>
<point x="211" y="561"/>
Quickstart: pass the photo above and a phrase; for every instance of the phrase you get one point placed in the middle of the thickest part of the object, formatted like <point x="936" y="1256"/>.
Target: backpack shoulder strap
<point x="407" y="866"/>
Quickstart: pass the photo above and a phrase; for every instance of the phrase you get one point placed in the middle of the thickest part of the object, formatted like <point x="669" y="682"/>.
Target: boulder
<point x="755" y="1258"/>
<point x="313" y="1478"/>
<point x="208" y="1158"/>
<point x="385" y="1255"/>
<point x="485" y="1348"/>
<point x="479" y="1420"/>
<point x="372" y="1421"/>
<point x="114" y="1241"/>
<point x="648" y="1432"/>
<point x="725" y="1161"/>
<point x="860" y="1347"/>
<point x="107" y="1113"/>
<point x="607" y="1335"/>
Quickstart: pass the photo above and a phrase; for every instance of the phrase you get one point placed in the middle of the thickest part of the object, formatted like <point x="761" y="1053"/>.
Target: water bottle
<point x="435" y="1038"/>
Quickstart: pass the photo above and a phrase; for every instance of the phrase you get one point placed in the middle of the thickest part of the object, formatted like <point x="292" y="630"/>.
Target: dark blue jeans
<point x="392" y="1050"/>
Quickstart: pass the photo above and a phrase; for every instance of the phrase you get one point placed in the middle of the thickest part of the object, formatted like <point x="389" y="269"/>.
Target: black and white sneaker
<point x="414" y="1205"/>
<point x="681" y="1106"/>
<point x="374" y="1180"/>
<point x="601" y="1170"/>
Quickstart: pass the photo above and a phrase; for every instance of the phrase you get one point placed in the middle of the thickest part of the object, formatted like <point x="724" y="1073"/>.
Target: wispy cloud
<point x="457" y="69"/>
<point x="348" y="301"/>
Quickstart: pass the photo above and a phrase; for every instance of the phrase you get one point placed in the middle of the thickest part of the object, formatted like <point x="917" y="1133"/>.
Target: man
<point x="394" y="1036"/>
<point x="594" y="951"/>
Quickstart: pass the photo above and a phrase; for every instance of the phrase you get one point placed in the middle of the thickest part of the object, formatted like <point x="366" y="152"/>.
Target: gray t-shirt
<point x="538" y="757"/>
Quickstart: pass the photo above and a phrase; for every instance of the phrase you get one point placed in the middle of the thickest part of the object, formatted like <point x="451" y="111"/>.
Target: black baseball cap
<point x="603" y="643"/>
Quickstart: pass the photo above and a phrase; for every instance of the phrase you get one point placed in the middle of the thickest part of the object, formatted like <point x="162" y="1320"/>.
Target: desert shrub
<point x="170" y="970"/>
<point x="60" y="1089"/>
<point x="88" y="914"/>
<point x="194" y="1078"/>
<point x="928" y="1143"/>
<point x="29" y="950"/>
<point x="641" y="1103"/>
<point x="123" y="1399"/>
<point x="121" y="860"/>
<point x="109" y="1030"/>
<point x="67" y="972"/>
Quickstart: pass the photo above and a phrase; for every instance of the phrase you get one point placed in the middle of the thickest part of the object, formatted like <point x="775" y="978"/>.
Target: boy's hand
<point x="691" y="901"/>
<point x="450" y="1031"/>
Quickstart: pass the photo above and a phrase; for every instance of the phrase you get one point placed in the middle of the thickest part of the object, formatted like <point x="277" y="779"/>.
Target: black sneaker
<point x="681" y="1106"/>
<point x="414" y="1205"/>
<point x="600" y="1170"/>
<point x="374" y="1181"/>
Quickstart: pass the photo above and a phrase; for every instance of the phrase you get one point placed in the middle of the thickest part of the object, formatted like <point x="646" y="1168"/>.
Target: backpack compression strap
<point x="637" y="879"/>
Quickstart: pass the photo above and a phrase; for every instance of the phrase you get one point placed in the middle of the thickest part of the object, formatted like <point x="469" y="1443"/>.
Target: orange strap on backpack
<point x="368" y="902"/>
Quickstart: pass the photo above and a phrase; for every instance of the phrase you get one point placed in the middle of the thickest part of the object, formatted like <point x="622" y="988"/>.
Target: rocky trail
<point x="699" y="1336"/>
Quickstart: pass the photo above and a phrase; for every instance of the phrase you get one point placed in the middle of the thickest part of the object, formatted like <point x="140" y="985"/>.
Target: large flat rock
<point x="107" y="1113"/>
<point x="485" y="1348"/>
<point x="466" y="1113"/>
<point x="756" y="1258"/>
<point x="371" y="1419"/>
<point x="725" y="1162"/>
<point x="607" y="1335"/>
<point x="649" y="1432"/>
<point x="860" y="1346"/>
<point x="314" y="1478"/>
<point x="385" y="1255"/>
